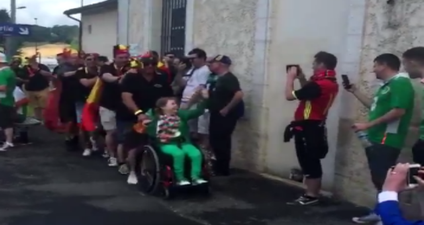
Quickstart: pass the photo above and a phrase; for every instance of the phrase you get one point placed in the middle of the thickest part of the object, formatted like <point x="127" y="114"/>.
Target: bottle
<point x="363" y="137"/>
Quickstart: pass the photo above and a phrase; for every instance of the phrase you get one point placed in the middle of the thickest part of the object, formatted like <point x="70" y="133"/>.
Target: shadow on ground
<point x="42" y="184"/>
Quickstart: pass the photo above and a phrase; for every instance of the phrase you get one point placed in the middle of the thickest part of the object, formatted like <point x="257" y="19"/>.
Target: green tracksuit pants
<point x="178" y="154"/>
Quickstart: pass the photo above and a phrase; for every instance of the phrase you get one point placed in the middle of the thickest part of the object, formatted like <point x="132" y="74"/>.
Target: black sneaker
<point x="304" y="200"/>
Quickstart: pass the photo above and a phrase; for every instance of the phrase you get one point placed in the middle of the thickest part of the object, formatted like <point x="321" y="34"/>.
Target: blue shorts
<point x="78" y="110"/>
<point x="123" y="128"/>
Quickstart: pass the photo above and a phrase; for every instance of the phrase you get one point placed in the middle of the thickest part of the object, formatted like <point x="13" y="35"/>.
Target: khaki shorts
<point x="38" y="99"/>
<point x="107" y="119"/>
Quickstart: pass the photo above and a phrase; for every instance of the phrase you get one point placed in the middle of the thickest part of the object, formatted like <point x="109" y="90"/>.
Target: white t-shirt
<point x="199" y="77"/>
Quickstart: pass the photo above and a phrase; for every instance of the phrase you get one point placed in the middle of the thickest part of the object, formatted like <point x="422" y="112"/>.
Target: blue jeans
<point x="78" y="110"/>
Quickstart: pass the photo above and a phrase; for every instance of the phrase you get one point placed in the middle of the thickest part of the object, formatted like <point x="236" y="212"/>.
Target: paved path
<point x="44" y="185"/>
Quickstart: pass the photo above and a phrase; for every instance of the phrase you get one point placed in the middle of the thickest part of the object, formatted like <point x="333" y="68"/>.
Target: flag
<point x="90" y="110"/>
<point x="51" y="112"/>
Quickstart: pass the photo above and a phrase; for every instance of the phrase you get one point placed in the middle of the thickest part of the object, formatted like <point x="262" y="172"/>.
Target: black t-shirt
<point x="223" y="91"/>
<point x="20" y="73"/>
<point x="145" y="93"/>
<point x="37" y="82"/>
<point x="111" y="94"/>
<point x="81" y="92"/>
<point x="68" y="83"/>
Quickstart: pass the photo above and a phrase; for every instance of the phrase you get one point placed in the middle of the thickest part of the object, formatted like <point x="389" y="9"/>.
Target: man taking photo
<point x="315" y="99"/>
<point x="388" y="120"/>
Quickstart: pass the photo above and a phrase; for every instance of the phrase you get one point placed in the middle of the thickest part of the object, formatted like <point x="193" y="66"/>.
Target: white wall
<point x="123" y="21"/>
<point x="104" y="28"/>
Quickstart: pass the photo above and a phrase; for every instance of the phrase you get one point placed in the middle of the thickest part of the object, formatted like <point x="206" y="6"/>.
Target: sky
<point x="47" y="12"/>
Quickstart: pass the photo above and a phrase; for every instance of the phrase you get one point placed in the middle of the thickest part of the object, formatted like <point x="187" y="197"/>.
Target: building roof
<point x="108" y="4"/>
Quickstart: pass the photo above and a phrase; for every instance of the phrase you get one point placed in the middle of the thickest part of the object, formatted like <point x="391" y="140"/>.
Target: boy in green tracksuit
<point x="169" y="126"/>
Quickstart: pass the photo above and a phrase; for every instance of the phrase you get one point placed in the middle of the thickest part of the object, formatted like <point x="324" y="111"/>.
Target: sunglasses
<point x="89" y="59"/>
<point x="150" y="64"/>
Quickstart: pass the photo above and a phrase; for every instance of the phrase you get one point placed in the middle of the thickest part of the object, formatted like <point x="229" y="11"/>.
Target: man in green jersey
<point x="390" y="113"/>
<point x="413" y="61"/>
<point x="7" y="101"/>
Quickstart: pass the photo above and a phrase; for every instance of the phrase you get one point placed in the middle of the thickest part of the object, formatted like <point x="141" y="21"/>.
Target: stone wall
<point x="228" y="27"/>
<point x="136" y="22"/>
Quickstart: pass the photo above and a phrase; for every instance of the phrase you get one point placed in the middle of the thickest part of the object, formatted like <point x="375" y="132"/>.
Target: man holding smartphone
<point x="390" y="114"/>
<point x="308" y="128"/>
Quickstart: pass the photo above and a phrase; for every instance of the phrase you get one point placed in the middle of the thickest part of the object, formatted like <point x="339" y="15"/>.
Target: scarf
<point x="323" y="74"/>
<point x="168" y="127"/>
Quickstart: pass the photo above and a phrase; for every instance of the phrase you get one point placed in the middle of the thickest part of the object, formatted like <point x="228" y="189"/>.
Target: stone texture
<point x="228" y="27"/>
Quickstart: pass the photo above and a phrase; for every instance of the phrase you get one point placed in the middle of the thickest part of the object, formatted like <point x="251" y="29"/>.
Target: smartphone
<point x="346" y="82"/>
<point x="412" y="171"/>
<point x="292" y="65"/>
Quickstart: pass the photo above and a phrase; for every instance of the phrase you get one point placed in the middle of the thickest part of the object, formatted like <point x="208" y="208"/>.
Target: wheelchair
<point x="156" y="176"/>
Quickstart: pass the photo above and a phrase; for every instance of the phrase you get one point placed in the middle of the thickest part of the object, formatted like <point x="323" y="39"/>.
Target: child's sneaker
<point x="199" y="181"/>
<point x="183" y="183"/>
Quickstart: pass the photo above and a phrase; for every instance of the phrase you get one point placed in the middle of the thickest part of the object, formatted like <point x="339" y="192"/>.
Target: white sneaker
<point x="87" y="152"/>
<point x="112" y="162"/>
<point x="199" y="181"/>
<point x="132" y="178"/>
<point x="183" y="183"/>
<point x="105" y="155"/>
<point x="6" y="146"/>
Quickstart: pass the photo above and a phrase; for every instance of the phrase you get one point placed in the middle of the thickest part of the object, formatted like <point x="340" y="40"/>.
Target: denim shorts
<point x="123" y="128"/>
<point x="78" y="110"/>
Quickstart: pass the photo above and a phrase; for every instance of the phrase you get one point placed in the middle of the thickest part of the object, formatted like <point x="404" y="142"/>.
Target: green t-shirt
<point x="395" y="93"/>
<point x="8" y="79"/>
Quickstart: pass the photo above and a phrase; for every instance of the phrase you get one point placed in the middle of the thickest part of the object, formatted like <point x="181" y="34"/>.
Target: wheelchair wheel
<point x="149" y="174"/>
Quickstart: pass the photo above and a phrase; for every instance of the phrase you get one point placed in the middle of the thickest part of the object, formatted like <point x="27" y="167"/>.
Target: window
<point x="89" y="29"/>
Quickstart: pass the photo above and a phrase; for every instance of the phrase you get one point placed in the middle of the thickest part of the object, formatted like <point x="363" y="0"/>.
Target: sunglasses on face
<point x="150" y="64"/>
<point x="89" y="59"/>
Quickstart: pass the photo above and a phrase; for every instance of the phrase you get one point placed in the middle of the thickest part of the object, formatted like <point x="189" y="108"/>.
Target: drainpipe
<point x="80" y="31"/>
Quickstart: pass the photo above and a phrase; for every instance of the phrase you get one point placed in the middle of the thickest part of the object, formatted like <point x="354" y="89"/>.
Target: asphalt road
<point x="42" y="184"/>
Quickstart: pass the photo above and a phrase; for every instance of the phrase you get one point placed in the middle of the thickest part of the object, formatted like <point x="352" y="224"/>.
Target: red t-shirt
<point x="316" y="98"/>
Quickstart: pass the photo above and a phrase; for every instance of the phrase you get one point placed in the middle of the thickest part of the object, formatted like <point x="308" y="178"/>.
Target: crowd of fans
<point x="184" y="103"/>
<point x="190" y="106"/>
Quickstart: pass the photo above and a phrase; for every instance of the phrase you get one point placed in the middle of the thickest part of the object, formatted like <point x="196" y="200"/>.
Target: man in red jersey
<point x="315" y="98"/>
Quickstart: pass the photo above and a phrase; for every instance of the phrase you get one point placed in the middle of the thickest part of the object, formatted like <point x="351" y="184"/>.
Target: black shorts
<point x="311" y="146"/>
<point x="67" y="111"/>
<point x="380" y="158"/>
<point x="7" y="116"/>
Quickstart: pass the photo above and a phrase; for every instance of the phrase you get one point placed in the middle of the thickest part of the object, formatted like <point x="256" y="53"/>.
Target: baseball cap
<point x="3" y="58"/>
<point x="222" y="59"/>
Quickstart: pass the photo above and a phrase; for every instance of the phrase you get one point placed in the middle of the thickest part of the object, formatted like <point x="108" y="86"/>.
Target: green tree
<point x="39" y="34"/>
<point x="17" y="42"/>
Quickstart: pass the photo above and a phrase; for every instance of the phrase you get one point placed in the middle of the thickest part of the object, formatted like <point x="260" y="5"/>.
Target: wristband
<point x="138" y="112"/>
